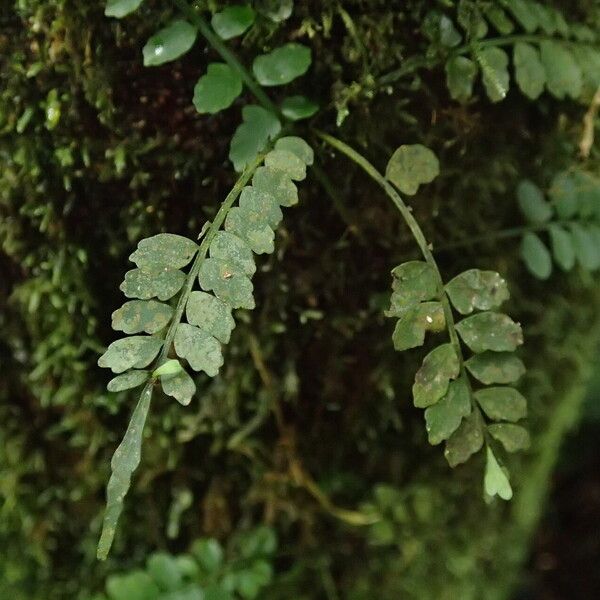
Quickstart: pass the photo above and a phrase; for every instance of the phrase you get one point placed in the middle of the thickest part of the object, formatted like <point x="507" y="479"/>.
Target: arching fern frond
<point x="457" y="409"/>
<point x="191" y="333"/>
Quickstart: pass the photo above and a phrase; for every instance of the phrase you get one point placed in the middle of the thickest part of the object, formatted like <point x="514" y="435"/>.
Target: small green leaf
<point x="253" y="579"/>
<point x="136" y="351"/>
<point x="588" y="60"/>
<point x="415" y="321"/>
<point x="209" y="554"/>
<point x="502" y="403"/>
<point x="586" y="247"/>
<point x="124" y="462"/>
<point x="169" y="43"/>
<point x="258" y="127"/>
<point x="233" y="250"/>
<point x="563" y="75"/>
<point x="465" y="441"/>
<point x="165" y="250"/>
<point x="282" y="65"/>
<point x="432" y="379"/>
<point x="562" y="247"/>
<point x="544" y="17"/>
<point x="411" y="166"/>
<point x="413" y="282"/>
<point x="136" y="585"/>
<point x="137" y="316"/>
<point x="512" y="437"/>
<point x="162" y="567"/>
<point x="443" y="418"/>
<point x="259" y="542"/>
<point x="440" y="30"/>
<point x="150" y="283"/>
<point x="216" y="591"/>
<point x="564" y="193"/>
<point x="170" y="367"/>
<point x="127" y="381"/>
<point x="260" y="207"/>
<point x="288" y="162"/>
<point x="233" y="21"/>
<point x="494" y="66"/>
<point x="498" y="18"/>
<point x="297" y="108"/>
<point x="522" y="13"/>
<point x="471" y="19"/>
<point x="559" y="21"/>
<point x="179" y="386"/>
<point x="219" y="276"/>
<point x="588" y="193"/>
<point x="200" y="349"/>
<point x="460" y="77"/>
<point x="210" y="314"/>
<point x="278" y="184"/>
<point x="475" y="289"/>
<point x="297" y="146"/>
<point x="185" y="562"/>
<point x="532" y="202"/>
<point x="121" y="8"/>
<point x="583" y="33"/>
<point x="276" y="10"/>
<point x="529" y="70"/>
<point x="536" y="256"/>
<point x="218" y="89"/>
<point x="251" y="226"/>
<point x="495" y="480"/>
<point x="490" y="331"/>
<point x="496" y="367"/>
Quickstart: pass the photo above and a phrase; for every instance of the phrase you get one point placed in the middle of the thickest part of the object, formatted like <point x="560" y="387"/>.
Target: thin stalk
<point x="201" y="255"/>
<point x="416" y="231"/>
<point x="507" y="40"/>
<point x="411" y="65"/>
<point x="226" y="54"/>
<point x="234" y="62"/>
<point x="502" y="234"/>
<point x="414" y="63"/>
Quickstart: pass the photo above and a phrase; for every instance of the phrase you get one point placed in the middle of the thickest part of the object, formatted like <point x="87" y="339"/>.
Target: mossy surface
<point x="97" y="152"/>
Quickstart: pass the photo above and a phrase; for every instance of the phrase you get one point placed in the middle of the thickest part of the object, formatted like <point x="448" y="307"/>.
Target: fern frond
<point x="223" y="265"/>
<point x="422" y="303"/>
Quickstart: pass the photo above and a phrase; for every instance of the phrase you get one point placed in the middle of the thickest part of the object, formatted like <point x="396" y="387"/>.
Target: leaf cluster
<point x="564" y="228"/>
<point x="455" y="412"/>
<point x="547" y="52"/>
<point x="223" y="266"/>
<point x="241" y="571"/>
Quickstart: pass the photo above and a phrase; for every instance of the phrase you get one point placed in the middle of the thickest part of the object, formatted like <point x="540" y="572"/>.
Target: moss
<point x="97" y="152"/>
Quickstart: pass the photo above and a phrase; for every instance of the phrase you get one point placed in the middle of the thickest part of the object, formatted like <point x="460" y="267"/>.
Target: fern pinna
<point x="455" y="412"/>
<point x="223" y="265"/>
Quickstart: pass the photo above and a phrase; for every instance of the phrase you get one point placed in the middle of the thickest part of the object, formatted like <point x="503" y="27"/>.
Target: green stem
<point x="507" y="40"/>
<point x="201" y="255"/>
<point x="416" y="231"/>
<point x="414" y="63"/>
<point x="226" y="54"/>
<point x="411" y="65"/>
<point x="502" y="234"/>
<point x="234" y="62"/>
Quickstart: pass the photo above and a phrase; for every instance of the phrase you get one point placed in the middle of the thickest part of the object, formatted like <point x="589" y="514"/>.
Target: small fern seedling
<point x="161" y="343"/>
<point x="466" y="415"/>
